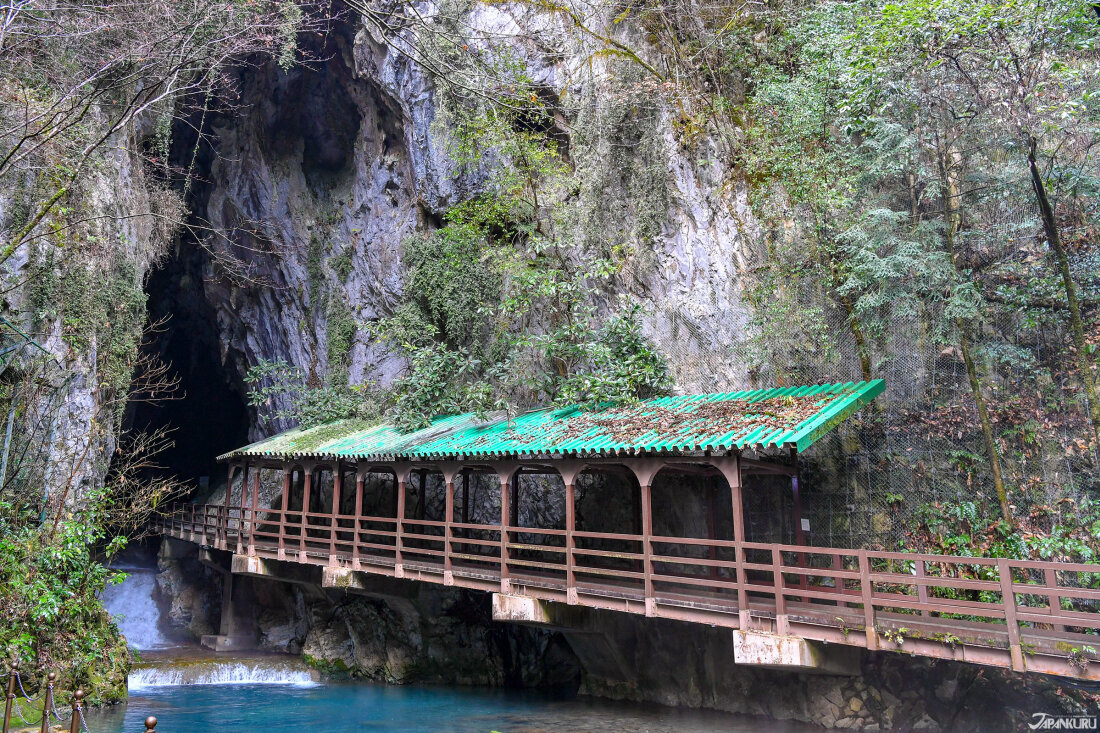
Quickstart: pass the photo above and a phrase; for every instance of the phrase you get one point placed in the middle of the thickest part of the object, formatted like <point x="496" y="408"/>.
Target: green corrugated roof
<point x="787" y="417"/>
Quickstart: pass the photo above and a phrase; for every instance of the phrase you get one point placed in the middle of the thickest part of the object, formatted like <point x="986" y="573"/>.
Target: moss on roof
<point x="790" y="417"/>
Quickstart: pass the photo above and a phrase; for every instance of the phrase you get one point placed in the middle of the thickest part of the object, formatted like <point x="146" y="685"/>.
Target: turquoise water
<point x="409" y="709"/>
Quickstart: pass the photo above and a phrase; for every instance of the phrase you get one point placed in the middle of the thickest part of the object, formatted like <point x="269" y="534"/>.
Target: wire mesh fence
<point x="920" y="442"/>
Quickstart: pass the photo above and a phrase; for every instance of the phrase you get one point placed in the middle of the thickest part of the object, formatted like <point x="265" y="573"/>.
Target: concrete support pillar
<point x="779" y="651"/>
<point x="236" y="630"/>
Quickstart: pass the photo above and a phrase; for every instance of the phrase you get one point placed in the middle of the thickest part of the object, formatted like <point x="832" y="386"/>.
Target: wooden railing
<point x="1040" y="616"/>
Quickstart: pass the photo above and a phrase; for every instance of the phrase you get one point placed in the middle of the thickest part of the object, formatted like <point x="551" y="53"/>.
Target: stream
<point x="194" y="690"/>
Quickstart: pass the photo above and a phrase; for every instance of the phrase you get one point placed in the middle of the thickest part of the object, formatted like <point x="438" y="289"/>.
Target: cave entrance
<point x="209" y="415"/>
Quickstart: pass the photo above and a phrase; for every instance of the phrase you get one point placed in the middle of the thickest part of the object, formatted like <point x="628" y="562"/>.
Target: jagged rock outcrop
<point x="326" y="169"/>
<point x="895" y="692"/>
<point x="429" y="634"/>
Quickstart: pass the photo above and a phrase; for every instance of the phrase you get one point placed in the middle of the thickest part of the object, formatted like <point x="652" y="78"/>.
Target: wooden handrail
<point x="774" y="578"/>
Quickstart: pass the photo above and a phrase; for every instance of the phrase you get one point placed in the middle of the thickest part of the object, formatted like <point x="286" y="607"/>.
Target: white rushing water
<point x="133" y="608"/>
<point x="227" y="672"/>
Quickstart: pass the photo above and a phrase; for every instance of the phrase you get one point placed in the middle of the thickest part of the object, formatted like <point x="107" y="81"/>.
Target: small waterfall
<point x="257" y="671"/>
<point x="133" y="608"/>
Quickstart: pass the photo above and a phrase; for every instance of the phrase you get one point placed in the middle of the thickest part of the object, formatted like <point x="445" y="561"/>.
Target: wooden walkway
<point x="1038" y="617"/>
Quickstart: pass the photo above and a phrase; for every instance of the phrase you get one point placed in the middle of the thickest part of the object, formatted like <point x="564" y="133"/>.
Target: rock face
<point x="189" y="594"/>
<point x="327" y="169"/>
<point x="429" y="634"/>
<point x="895" y="692"/>
<point x="315" y="181"/>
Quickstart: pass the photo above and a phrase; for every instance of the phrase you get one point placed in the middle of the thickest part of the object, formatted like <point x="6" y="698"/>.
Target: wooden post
<point x="782" y="625"/>
<point x="1008" y="597"/>
<point x="733" y="476"/>
<point x="12" y="675"/>
<point x="570" y="528"/>
<point x="505" y="516"/>
<point x="838" y="583"/>
<point x="867" y="591"/>
<point x="1054" y="600"/>
<point x="399" y="570"/>
<point x="255" y="512"/>
<point x="922" y="589"/>
<point x="334" y="523"/>
<point x="74" y="724"/>
<point x="287" y="471"/>
<point x="646" y="501"/>
<point x="359" y="476"/>
<point x="307" y="484"/>
<point x="47" y="703"/>
<point x="448" y="518"/>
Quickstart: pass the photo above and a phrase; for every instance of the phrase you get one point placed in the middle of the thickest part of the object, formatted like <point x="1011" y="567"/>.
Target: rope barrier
<point x="19" y="712"/>
<point x="53" y="709"/>
<point x="19" y="681"/>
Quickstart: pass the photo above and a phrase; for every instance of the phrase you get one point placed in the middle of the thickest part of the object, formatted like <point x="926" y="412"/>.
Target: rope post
<point x="74" y="726"/>
<point x="11" y="694"/>
<point x="47" y="702"/>
<point x="150" y="724"/>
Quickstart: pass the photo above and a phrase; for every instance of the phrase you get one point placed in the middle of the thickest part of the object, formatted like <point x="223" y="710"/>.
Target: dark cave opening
<point x="207" y="415"/>
<point x="306" y="113"/>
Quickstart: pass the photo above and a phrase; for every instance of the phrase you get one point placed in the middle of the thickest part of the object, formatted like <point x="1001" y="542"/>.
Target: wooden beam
<point x="359" y="477"/>
<point x="287" y="471"/>
<point x="505" y="517"/>
<point x="448" y="520"/>
<point x="570" y="528"/>
<point x="255" y="512"/>
<point x="646" y="501"/>
<point x="399" y="569"/>
<point x="334" y="523"/>
<point x="307" y="484"/>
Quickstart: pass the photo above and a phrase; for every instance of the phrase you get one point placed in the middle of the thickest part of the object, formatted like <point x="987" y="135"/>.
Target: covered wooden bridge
<point x="655" y="509"/>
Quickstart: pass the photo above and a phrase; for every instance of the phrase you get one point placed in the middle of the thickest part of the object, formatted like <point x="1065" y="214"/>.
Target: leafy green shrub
<point x="52" y="618"/>
<point x="284" y="390"/>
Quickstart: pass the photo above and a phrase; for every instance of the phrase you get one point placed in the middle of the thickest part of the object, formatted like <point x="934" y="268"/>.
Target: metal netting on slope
<point x="920" y="442"/>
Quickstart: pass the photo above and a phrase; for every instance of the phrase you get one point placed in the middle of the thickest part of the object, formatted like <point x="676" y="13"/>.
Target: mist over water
<point x="133" y="608"/>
